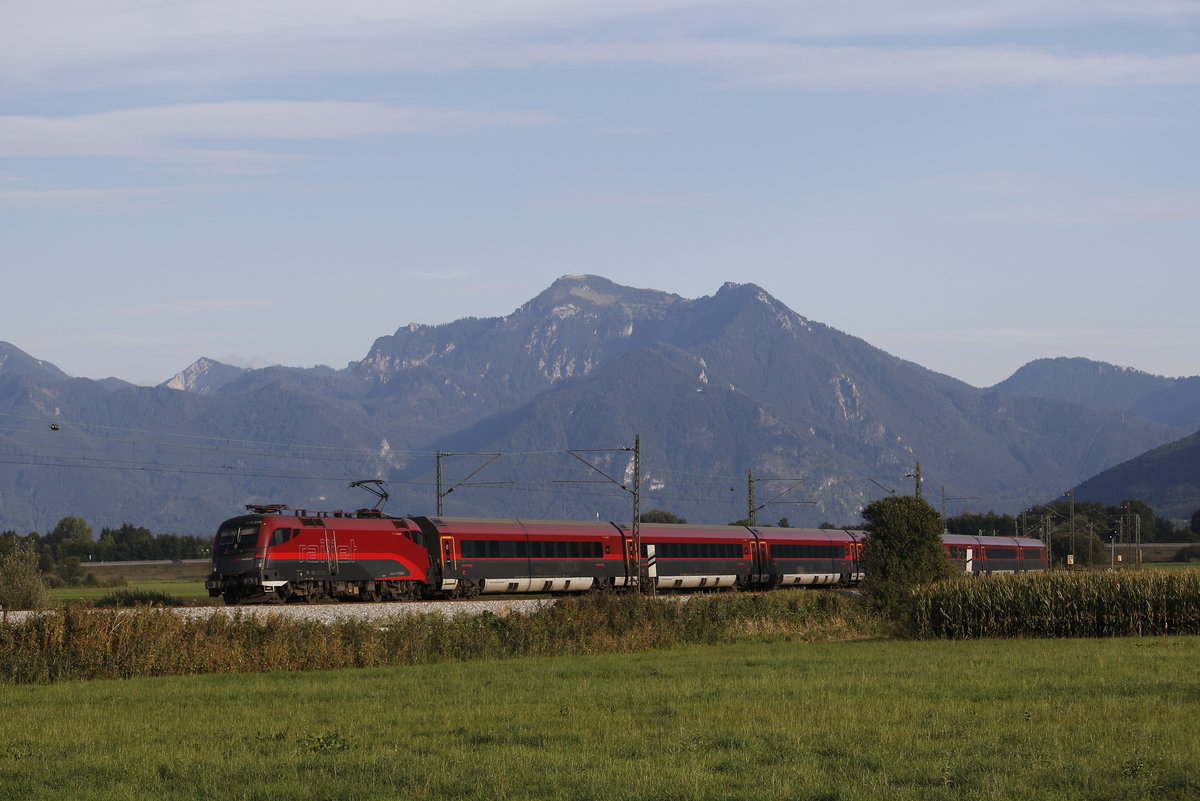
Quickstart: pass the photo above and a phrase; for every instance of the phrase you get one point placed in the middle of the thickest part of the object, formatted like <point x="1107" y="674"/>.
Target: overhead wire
<point x="228" y="446"/>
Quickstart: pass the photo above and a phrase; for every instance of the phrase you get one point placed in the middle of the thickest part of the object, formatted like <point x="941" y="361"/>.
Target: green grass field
<point x="184" y="580"/>
<point x="1014" y="719"/>
<point x="190" y="591"/>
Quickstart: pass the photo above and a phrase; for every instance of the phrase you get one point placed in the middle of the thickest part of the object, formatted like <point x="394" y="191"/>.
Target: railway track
<point x="330" y="612"/>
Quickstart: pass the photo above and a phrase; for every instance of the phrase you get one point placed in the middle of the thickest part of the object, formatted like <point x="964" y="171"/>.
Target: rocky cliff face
<point x="203" y="377"/>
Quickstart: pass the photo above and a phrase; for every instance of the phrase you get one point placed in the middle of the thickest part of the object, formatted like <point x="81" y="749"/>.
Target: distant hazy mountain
<point x="715" y="386"/>
<point x="14" y="361"/>
<point x="1167" y="478"/>
<point x="1174" y="401"/>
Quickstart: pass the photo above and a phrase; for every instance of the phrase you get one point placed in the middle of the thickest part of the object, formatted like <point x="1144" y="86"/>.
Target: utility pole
<point x="640" y="573"/>
<point x="442" y="494"/>
<point x="944" y="499"/>
<point x="750" y="510"/>
<point x="1071" y="553"/>
<point x="752" y="507"/>
<point x="1137" y="527"/>
<point x="635" y="527"/>
<point x="915" y="475"/>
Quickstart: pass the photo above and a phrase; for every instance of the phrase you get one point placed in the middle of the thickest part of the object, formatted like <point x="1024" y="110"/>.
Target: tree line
<point x="72" y="538"/>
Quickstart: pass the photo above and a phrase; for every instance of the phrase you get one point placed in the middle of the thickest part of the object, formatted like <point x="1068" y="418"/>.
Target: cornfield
<point x="1060" y="605"/>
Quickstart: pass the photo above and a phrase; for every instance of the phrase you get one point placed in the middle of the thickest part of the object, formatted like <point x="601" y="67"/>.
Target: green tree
<point x="126" y="543"/>
<point x="70" y="569"/>
<point x="903" y="551"/>
<point x="72" y="536"/>
<point x="1088" y="548"/>
<point x="990" y="524"/>
<point x="660" y="516"/>
<point x="21" y="585"/>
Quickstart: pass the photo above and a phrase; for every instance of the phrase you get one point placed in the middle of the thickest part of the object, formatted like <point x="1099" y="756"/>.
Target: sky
<point x="966" y="184"/>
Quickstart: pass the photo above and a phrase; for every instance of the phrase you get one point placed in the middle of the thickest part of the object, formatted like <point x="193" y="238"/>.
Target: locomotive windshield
<point x="237" y="538"/>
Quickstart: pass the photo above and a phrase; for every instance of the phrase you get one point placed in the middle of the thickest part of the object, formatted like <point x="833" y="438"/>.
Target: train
<point x="278" y="554"/>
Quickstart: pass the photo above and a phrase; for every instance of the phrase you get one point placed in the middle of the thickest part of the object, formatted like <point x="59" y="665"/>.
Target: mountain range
<point x="727" y="393"/>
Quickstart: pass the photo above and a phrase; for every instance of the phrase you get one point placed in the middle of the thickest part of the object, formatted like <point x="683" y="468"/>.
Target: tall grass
<point x="77" y="644"/>
<point x="1061" y="605"/>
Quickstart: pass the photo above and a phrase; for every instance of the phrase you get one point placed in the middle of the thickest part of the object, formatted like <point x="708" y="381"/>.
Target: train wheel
<point x="231" y="599"/>
<point x="467" y="588"/>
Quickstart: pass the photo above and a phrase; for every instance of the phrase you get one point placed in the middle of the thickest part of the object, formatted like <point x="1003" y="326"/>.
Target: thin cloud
<point x="127" y="42"/>
<point x="155" y="133"/>
<point x="187" y="307"/>
<point x="97" y="199"/>
<point x="931" y="68"/>
<point x="1121" y="208"/>
<point x="634" y="199"/>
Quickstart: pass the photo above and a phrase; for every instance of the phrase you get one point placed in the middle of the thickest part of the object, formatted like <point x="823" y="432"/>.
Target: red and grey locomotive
<point x="280" y="554"/>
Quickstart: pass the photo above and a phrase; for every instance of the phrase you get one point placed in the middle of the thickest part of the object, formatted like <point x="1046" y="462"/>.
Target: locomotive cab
<point x="280" y="554"/>
<point x="237" y="559"/>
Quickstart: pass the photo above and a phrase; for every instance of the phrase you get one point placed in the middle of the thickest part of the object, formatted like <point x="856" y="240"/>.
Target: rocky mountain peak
<point x="574" y="294"/>
<point x="204" y="376"/>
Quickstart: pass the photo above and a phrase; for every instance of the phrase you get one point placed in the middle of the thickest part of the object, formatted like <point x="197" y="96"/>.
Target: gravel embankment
<point x="331" y="612"/>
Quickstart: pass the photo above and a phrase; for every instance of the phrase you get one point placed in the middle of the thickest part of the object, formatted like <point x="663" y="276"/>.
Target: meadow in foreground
<point x="1014" y="719"/>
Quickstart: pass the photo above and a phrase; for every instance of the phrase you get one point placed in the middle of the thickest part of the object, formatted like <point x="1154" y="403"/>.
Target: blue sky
<point x="969" y="185"/>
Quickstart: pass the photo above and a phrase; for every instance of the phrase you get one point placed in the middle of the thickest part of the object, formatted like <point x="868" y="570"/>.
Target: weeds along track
<point x="80" y="644"/>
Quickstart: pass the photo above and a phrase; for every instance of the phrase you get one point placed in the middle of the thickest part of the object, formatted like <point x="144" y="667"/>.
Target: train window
<point x="696" y="550"/>
<point x="1033" y="553"/>
<point x="806" y="551"/>
<point x="560" y="549"/>
<point x="235" y="539"/>
<point x="1001" y="553"/>
<point x="281" y="535"/>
